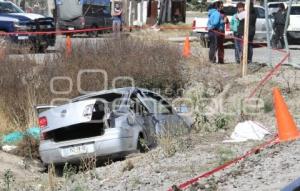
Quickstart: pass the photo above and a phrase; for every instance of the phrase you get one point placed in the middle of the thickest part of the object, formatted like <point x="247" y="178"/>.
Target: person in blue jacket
<point x="214" y="26"/>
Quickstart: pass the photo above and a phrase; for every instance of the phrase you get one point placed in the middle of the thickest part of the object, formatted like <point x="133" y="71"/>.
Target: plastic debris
<point x="8" y="148"/>
<point x="17" y="136"/>
<point x="248" y="130"/>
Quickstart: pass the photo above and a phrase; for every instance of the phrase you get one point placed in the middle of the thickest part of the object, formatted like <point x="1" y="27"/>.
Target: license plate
<point x="71" y="28"/>
<point x="77" y="150"/>
<point x="23" y="37"/>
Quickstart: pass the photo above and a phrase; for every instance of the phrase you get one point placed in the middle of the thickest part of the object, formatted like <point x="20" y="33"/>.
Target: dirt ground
<point x="181" y="158"/>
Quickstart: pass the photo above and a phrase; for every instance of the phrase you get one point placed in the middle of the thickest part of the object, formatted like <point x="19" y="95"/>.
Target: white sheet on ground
<point x="248" y="130"/>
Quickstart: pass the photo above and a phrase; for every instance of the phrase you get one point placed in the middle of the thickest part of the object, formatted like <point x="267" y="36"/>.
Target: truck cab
<point x="16" y="23"/>
<point x="82" y="14"/>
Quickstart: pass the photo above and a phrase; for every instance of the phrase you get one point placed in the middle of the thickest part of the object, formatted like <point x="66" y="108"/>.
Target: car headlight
<point x="20" y="27"/>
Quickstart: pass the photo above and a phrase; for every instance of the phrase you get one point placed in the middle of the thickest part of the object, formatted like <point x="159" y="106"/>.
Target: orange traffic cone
<point x="187" y="48"/>
<point x="286" y="125"/>
<point x="68" y="45"/>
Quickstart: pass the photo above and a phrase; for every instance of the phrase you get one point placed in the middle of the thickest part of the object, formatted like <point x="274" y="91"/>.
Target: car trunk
<point x="78" y="119"/>
<point x="77" y="131"/>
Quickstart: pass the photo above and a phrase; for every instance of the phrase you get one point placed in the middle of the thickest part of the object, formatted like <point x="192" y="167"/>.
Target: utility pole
<point x="246" y="38"/>
<point x="269" y="29"/>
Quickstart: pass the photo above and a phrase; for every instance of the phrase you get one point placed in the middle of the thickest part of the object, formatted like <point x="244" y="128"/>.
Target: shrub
<point x="28" y="148"/>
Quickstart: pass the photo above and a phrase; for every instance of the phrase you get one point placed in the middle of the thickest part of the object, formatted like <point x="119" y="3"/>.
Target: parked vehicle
<point x="83" y="14"/>
<point x="273" y="7"/>
<point x="200" y="24"/>
<point x="293" y="31"/>
<point x="107" y="123"/>
<point x="14" y="19"/>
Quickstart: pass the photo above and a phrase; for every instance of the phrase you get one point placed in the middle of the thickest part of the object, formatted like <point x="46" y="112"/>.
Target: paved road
<point x="260" y="55"/>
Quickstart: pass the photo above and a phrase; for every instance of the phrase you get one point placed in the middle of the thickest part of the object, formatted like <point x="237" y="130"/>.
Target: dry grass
<point x="28" y="148"/>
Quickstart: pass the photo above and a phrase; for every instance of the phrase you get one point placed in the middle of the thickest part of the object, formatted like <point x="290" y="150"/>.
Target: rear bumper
<point x="70" y="25"/>
<point x="52" y="152"/>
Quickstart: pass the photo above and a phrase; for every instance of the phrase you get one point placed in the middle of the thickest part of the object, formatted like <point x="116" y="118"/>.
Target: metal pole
<point x="130" y="13"/>
<point x="268" y="33"/>
<point x="246" y="38"/>
<point x="286" y="27"/>
<point x="142" y="12"/>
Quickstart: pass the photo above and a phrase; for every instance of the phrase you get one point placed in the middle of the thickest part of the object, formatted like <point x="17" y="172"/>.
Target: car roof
<point x="234" y="5"/>
<point x="124" y="90"/>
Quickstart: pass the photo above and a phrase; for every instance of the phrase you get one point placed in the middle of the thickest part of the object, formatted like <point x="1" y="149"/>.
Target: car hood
<point x="23" y="16"/>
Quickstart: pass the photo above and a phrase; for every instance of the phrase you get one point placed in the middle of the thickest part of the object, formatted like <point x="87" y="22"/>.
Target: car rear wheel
<point x="141" y="144"/>
<point x="93" y="34"/>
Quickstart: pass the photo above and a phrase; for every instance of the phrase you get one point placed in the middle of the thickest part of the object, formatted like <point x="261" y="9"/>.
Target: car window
<point x="295" y="11"/>
<point x="260" y="12"/>
<point x="276" y="5"/>
<point x="156" y="104"/>
<point x="137" y="107"/>
<point x="229" y="11"/>
<point x="7" y="7"/>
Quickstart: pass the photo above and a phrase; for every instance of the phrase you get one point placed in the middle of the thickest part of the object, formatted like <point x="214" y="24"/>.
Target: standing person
<point x="213" y="26"/>
<point x="234" y="23"/>
<point x="117" y="20"/>
<point x="252" y="23"/>
<point x="278" y="27"/>
<point x="221" y="34"/>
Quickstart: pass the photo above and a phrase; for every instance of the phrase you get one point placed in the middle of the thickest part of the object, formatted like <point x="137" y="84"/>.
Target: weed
<point x="28" y="147"/>
<point x="88" y="165"/>
<point x="268" y="106"/>
<point x="221" y="121"/>
<point x="8" y="179"/>
<point x="69" y="171"/>
<point x="51" y="177"/>
<point x="173" y="138"/>
<point x="224" y="155"/>
<point x="128" y="166"/>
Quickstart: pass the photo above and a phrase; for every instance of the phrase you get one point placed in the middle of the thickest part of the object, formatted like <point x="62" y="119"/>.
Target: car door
<point x="165" y="118"/>
<point x="142" y="117"/>
<point x="107" y="16"/>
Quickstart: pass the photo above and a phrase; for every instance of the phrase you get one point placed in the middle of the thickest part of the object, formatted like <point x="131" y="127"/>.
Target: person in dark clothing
<point x="252" y="23"/>
<point x="278" y="27"/>
<point x="214" y="26"/>
<point x="221" y="35"/>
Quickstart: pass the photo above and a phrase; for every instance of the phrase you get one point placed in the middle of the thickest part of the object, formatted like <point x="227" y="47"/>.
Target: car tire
<point x="93" y="34"/>
<point x="41" y="49"/>
<point x="141" y="147"/>
<point x="55" y="170"/>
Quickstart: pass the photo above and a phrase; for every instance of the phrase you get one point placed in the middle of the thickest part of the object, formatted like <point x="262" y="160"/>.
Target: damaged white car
<point x="110" y="123"/>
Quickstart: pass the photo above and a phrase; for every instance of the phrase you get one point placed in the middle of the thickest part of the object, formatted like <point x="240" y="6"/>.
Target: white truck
<point x="293" y="31"/>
